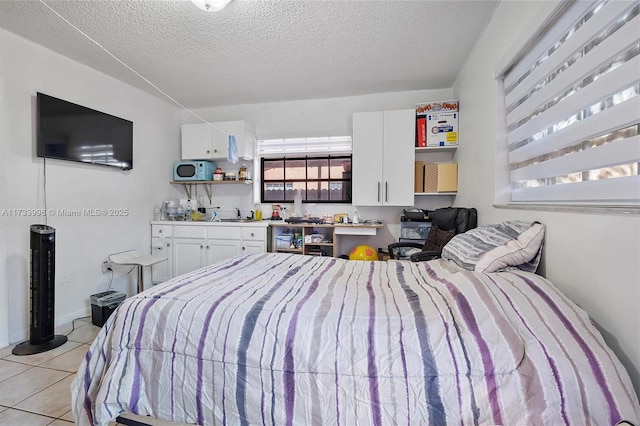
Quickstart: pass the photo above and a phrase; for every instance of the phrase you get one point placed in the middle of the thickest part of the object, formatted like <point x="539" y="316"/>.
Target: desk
<point x="314" y="239"/>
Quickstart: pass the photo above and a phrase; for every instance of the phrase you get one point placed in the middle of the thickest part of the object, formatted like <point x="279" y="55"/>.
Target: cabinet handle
<point x="168" y="244"/>
<point x="208" y="152"/>
<point x="386" y="192"/>
<point x="378" y="191"/>
<point x="208" y="247"/>
<point x="243" y="248"/>
<point x="252" y="234"/>
<point x="201" y="246"/>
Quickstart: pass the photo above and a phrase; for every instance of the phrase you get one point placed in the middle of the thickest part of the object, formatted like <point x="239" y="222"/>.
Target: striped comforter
<point x="302" y="340"/>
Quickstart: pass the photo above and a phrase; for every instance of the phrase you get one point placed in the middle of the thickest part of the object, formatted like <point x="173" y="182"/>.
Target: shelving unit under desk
<point x="314" y="239"/>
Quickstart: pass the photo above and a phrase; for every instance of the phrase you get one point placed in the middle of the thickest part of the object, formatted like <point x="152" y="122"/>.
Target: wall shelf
<point x="429" y="149"/>
<point x="190" y="184"/>
<point x="434" y="193"/>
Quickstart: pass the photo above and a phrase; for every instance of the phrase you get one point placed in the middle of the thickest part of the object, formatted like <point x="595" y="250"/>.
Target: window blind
<point x="573" y="108"/>
<point x="338" y="145"/>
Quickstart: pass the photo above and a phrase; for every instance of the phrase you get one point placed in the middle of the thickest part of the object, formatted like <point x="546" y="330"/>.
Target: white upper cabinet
<point x="204" y="141"/>
<point x="383" y="158"/>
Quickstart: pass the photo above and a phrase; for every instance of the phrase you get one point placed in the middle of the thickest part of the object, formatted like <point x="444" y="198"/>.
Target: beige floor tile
<point x="84" y="333"/>
<point x="60" y="422"/>
<point x="9" y="369"/>
<point x="28" y="383"/>
<point x="5" y="351"/>
<point x="68" y="361"/>
<point x="67" y="327"/>
<point x="68" y="416"/>
<point x="17" y="417"/>
<point x="38" y="359"/>
<point x="53" y="401"/>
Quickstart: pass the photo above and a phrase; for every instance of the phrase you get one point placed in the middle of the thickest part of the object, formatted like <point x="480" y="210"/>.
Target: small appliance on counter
<point x="275" y="212"/>
<point x="193" y="170"/>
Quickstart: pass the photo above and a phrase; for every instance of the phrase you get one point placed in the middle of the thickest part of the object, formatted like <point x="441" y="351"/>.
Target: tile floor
<point x="36" y="389"/>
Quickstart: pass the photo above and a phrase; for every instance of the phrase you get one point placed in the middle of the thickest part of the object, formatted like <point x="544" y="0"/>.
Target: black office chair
<point x="445" y="223"/>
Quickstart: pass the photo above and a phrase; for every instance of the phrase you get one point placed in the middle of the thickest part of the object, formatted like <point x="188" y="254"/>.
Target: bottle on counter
<point x="258" y="215"/>
<point x="188" y="210"/>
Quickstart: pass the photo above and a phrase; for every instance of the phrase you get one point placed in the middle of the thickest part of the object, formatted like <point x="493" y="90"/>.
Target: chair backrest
<point x="459" y="219"/>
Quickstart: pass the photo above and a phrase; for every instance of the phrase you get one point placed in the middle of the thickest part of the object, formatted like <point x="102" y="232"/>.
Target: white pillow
<point x="492" y="248"/>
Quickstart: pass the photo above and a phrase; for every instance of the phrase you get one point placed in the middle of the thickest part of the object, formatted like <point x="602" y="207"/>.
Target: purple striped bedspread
<point x="284" y="339"/>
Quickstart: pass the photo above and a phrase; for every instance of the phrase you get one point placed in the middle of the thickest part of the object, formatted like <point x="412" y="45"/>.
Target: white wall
<point x="592" y="258"/>
<point x="322" y="117"/>
<point x="82" y="242"/>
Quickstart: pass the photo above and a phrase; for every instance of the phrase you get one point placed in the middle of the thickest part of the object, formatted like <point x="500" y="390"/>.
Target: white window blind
<point x="573" y="108"/>
<point x="300" y="147"/>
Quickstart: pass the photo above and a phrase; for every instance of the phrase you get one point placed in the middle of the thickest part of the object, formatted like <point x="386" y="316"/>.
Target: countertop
<point x="262" y="223"/>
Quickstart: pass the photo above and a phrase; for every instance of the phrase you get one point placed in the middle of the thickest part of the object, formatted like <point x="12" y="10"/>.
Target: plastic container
<point x="103" y="305"/>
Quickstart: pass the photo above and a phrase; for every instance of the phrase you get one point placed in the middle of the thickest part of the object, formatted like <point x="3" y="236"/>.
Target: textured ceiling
<point x="260" y="51"/>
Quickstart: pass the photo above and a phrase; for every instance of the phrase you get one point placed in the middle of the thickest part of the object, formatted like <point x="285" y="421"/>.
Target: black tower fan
<point x="42" y="285"/>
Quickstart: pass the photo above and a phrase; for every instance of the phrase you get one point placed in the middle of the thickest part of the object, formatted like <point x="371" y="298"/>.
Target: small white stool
<point x="133" y="258"/>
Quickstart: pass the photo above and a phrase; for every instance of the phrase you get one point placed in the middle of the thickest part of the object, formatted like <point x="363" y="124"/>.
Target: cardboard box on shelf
<point x="430" y="178"/>
<point x="441" y="122"/>
<point x="447" y="177"/>
<point x="442" y="177"/>
<point x="418" y="185"/>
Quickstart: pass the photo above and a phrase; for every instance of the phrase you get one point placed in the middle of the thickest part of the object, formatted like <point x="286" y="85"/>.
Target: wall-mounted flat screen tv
<point x="66" y="131"/>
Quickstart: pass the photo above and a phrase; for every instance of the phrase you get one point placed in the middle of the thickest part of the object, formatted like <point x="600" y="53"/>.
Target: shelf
<point x="420" y="149"/>
<point x="211" y="182"/>
<point x="434" y="193"/>
<point x="289" y="250"/>
<point x="207" y="184"/>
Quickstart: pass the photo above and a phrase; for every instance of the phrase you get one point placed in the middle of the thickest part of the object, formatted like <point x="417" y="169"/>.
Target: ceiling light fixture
<point x="211" y="5"/>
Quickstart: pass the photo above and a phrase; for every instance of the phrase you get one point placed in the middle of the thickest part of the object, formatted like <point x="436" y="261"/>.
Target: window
<point x="572" y="103"/>
<point x="319" y="168"/>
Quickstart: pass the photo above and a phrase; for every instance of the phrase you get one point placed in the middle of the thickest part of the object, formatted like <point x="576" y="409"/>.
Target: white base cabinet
<point x="193" y="246"/>
<point x="383" y="158"/>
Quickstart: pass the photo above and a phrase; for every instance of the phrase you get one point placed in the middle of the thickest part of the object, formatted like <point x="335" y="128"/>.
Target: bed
<point x="288" y="339"/>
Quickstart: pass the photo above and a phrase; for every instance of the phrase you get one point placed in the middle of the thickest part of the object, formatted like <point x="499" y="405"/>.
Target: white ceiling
<point x="260" y="51"/>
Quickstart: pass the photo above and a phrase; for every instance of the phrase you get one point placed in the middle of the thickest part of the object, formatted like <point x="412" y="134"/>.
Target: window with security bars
<point x="318" y="168"/>
<point x="572" y="104"/>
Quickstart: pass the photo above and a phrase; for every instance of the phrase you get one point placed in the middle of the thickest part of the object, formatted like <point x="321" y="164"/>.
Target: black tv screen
<point x="67" y="131"/>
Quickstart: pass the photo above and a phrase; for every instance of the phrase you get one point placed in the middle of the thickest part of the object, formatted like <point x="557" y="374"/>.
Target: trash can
<point x="103" y="305"/>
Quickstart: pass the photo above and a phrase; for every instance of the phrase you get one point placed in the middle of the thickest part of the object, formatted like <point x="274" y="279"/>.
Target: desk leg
<point x="140" y="278"/>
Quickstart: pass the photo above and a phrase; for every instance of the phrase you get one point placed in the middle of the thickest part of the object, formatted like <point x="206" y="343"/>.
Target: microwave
<point x="193" y="170"/>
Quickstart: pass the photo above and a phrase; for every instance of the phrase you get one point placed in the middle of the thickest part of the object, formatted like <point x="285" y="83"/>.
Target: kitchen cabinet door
<point x="383" y="155"/>
<point x="366" y="163"/>
<point x="204" y="141"/>
<point x="398" y="157"/>
<point x="254" y="240"/>
<point x="245" y="138"/>
<point x="223" y="242"/>
<point x="218" y="250"/>
<point x="188" y="255"/>
<point x="197" y="142"/>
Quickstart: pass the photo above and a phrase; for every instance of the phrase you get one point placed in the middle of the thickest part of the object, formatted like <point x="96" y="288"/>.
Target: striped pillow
<point x="491" y="248"/>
